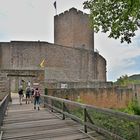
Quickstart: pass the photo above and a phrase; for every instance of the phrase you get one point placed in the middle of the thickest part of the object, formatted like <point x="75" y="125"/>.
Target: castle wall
<point x="72" y="28"/>
<point x="74" y="63"/>
<point x="100" y="68"/>
<point x="110" y="97"/>
<point x="71" y="58"/>
<point x="5" y="57"/>
<point x="0" y="56"/>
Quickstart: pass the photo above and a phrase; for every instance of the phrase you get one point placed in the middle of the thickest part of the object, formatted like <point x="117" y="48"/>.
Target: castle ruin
<point x="70" y="59"/>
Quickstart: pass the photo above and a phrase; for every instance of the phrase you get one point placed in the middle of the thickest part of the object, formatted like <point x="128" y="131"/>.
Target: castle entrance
<point x="17" y="77"/>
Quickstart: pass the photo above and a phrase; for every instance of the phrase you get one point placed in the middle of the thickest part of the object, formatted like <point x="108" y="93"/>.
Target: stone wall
<point x="4" y="85"/>
<point x="77" y="85"/>
<point x="74" y="63"/>
<point x="100" y="67"/>
<point x="101" y="97"/>
<point x="136" y="91"/>
<point x="73" y="60"/>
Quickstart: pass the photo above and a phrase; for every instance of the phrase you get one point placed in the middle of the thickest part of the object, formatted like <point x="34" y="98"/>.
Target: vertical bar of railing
<point x="139" y="131"/>
<point x="3" y="108"/>
<point x="43" y="101"/>
<point x="63" y="108"/>
<point x="85" y="120"/>
<point x="51" y="105"/>
<point x="2" y="112"/>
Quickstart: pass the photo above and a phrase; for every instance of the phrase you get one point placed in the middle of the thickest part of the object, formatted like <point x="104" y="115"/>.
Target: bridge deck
<point x="24" y="123"/>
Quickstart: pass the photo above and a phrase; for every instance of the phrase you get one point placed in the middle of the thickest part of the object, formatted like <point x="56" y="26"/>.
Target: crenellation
<point x="66" y="12"/>
<point x="80" y="12"/>
<point x="71" y="10"/>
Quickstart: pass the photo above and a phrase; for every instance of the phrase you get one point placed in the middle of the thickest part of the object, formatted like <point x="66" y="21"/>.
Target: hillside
<point x="134" y="77"/>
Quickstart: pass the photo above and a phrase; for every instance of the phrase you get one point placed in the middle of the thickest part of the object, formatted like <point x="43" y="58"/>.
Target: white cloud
<point x="120" y="57"/>
<point x="32" y="19"/>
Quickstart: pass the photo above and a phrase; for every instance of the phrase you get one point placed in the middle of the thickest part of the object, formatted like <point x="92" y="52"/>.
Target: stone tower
<point x="71" y="28"/>
<point x="70" y="59"/>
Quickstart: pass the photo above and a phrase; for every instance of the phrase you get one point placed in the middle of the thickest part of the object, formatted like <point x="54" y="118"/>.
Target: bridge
<point x="61" y="119"/>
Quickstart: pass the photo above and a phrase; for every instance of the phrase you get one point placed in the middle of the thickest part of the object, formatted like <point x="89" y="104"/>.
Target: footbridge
<point x="61" y="119"/>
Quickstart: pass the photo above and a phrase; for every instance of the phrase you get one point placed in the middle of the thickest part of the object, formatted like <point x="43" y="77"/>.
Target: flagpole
<point x="56" y="11"/>
<point x="55" y="6"/>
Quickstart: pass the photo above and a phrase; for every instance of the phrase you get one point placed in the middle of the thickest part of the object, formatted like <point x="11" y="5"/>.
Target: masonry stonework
<point x="71" y="58"/>
<point x="72" y="28"/>
<point x="110" y="97"/>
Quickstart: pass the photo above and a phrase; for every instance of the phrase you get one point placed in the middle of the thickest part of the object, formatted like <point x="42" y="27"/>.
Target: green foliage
<point x="78" y="112"/>
<point x="121" y="18"/>
<point x="46" y="91"/>
<point x="133" y="108"/>
<point x="78" y="99"/>
<point x="124" y="80"/>
<point x="123" y="128"/>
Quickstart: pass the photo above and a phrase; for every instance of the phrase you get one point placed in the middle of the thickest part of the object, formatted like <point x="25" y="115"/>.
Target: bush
<point x="133" y="108"/>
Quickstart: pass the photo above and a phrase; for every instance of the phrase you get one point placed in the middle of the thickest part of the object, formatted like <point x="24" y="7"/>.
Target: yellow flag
<point x="42" y="63"/>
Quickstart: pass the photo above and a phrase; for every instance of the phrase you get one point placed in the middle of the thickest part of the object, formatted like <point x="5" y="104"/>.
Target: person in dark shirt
<point x="20" y="92"/>
<point x="36" y="98"/>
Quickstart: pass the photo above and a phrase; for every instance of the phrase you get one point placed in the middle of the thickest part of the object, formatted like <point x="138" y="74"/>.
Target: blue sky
<point x="33" y="20"/>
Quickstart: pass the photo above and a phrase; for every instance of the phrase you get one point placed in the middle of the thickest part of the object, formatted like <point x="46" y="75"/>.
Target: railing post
<point x="139" y="131"/>
<point x="63" y="108"/>
<point x="85" y="120"/>
<point x="3" y="107"/>
<point x="43" y="100"/>
<point x="51" y="105"/>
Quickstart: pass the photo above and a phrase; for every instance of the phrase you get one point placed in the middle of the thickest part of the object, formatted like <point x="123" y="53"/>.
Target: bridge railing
<point x="112" y="124"/>
<point x="3" y="107"/>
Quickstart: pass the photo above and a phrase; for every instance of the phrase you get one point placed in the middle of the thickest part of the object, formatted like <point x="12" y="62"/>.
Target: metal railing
<point x="3" y="108"/>
<point x="112" y="124"/>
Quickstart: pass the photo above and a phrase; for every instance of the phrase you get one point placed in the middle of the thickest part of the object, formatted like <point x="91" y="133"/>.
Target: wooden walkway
<point x="24" y="123"/>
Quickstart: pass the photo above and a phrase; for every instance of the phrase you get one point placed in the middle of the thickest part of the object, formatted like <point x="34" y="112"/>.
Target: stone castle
<point x="70" y="59"/>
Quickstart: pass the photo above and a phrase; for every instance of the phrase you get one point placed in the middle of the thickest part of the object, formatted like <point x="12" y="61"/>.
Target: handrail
<point x="86" y="108"/>
<point x="121" y="115"/>
<point x="3" y="107"/>
<point x="1" y="133"/>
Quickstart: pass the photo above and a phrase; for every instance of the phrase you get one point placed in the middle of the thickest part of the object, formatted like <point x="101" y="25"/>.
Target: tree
<point x="123" y="80"/>
<point x="121" y="18"/>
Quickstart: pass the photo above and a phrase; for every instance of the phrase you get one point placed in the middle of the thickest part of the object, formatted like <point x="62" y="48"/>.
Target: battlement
<point x="72" y="10"/>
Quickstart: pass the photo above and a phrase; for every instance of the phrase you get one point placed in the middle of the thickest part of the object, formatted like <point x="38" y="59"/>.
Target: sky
<point x="32" y="20"/>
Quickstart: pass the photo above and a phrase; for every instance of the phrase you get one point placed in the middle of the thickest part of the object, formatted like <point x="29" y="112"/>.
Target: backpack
<point x="20" y="91"/>
<point x="28" y="90"/>
<point x="37" y="94"/>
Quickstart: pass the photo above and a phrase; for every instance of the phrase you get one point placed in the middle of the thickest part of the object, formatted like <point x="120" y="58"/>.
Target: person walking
<point x="28" y="92"/>
<point x="32" y="94"/>
<point x="36" y="99"/>
<point x="20" y="92"/>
